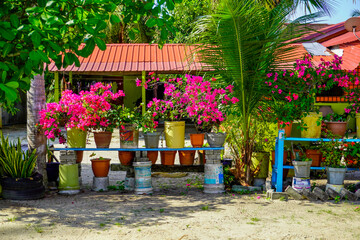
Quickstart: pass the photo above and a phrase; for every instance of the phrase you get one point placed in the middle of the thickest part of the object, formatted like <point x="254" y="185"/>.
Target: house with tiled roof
<point x="122" y="64"/>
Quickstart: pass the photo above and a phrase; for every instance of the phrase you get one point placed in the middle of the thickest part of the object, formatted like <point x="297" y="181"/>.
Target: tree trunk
<point x="36" y="139"/>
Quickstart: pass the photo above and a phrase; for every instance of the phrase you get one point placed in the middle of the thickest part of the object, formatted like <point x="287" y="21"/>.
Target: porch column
<point x="143" y="92"/>
<point x="56" y="87"/>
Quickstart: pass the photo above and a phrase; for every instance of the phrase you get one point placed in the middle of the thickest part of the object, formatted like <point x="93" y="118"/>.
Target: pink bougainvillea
<point x="293" y="91"/>
<point x="88" y="109"/>
<point x="192" y="97"/>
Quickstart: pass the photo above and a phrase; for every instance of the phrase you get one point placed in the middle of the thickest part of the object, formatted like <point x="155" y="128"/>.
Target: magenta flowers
<point x="88" y="109"/>
<point x="293" y="91"/>
<point x="192" y="97"/>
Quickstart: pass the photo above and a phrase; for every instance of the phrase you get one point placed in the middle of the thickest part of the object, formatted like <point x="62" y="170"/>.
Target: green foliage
<point x="36" y="32"/>
<point x="119" y="187"/>
<point x="120" y="115"/>
<point x="337" y="199"/>
<point x="333" y="152"/>
<point x="229" y="178"/>
<point x="185" y="15"/>
<point x="335" y="117"/>
<point x="240" y="43"/>
<point x="14" y="162"/>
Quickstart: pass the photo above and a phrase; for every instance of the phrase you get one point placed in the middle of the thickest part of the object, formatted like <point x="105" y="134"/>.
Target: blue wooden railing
<point x="137" y="149"/>
<point x="277" y="172"/>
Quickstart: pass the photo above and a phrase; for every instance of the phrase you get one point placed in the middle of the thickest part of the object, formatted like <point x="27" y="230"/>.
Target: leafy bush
<point x="13" y="161"/>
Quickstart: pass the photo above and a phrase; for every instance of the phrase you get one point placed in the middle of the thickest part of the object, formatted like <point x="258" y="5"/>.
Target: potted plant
<point x="99" y="103"/>
<point x="294" y="91"/>
<point x="336" y="123"/>
<point x="264" y="141"/>
<point x="88" y="109"/>
<point x="333" y="154"/>
<point x="207" y="109"/>
<point x="100" y="166"/>
<point x="193" y="97"/>
<point x="314" y="154"/>
<point x="18" y="179"/>
<point x="171" y="108"/>
<point x="352" y="154"/>
<point x="302" y="166"/>
<point x="187" y="157"/>
<point x="128" y="121"/>
<point x="149" y="124"/>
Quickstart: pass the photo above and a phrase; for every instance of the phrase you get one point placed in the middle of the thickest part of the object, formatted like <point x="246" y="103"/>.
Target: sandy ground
<point x="174" y="212"/>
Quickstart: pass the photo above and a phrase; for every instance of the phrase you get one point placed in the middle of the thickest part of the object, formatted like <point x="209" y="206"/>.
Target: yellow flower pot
<point x="175" y="134"/>
<point x="76" y="138"/>
<point x="311" y="123"/>
<point x="357" y="125"/>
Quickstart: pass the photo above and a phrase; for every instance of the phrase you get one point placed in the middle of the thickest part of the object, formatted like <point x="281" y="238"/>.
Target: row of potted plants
<point x="291" y="94"/>
<point x="97" y="110"/>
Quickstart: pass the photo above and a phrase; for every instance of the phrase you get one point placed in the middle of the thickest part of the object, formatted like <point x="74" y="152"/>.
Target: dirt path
<point x="173" y="213"/>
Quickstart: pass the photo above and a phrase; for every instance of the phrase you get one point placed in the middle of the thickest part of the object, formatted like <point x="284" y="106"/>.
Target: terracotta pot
<point x="337" y="128"/>
<point x="102" y="139"/>
<point x="202" y="157"/>
<point x="79" y="156"/>
<point x="197" y="139"/>
<point x="100" y="166"/>
<point x="152" y="155"/>
<point x="126" y="157"/>
<point x="167" y="157"/>
<point x="287" y="129"/>
<point x="315" y="155"/>
<point x="187" y="157"/>
<point x="285" y="171"/>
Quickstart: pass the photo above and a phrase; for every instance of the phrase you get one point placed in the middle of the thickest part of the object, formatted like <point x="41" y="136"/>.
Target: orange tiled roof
<point x="172" y="58"/>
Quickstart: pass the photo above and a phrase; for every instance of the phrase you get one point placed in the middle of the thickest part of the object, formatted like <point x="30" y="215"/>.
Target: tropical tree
<point x="241" y="42"/>
<point x="308" y="5"/>
<point x="35" y="32"/>
<point x="185" y="16"/>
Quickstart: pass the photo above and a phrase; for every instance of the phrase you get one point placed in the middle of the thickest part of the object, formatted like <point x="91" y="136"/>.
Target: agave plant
<point x="14" y="162"/>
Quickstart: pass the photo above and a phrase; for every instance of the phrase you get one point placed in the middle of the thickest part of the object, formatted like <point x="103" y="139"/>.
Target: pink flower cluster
<point x="192" y="97"/>
<point x="87" y="109"/>
<point x="206" y="104"/>
<point x="302" y="83"/>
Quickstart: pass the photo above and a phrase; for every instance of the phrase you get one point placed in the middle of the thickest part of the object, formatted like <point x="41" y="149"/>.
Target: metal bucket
<point x="129" y="136"/>
<point x="336" y="176"/>
<point x="214" y="178"/>
<point x="302" y="169"/>
<point x="143" y="177"/>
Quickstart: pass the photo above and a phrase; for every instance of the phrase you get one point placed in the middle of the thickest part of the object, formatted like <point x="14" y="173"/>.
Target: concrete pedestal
<point x="100" y="184"/>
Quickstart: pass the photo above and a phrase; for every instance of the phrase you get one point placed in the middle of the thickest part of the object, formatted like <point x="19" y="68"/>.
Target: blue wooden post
<point x="274" y="167"/>
<point x="279" y="155"/>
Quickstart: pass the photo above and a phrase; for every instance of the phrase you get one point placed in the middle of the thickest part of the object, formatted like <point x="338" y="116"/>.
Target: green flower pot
<point x="76" y="138"/>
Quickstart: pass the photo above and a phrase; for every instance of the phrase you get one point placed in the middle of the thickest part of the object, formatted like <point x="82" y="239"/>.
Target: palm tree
<point x="241" y="42"/>
<point x="36" y="140"/>
<point x="308" y="5"/>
